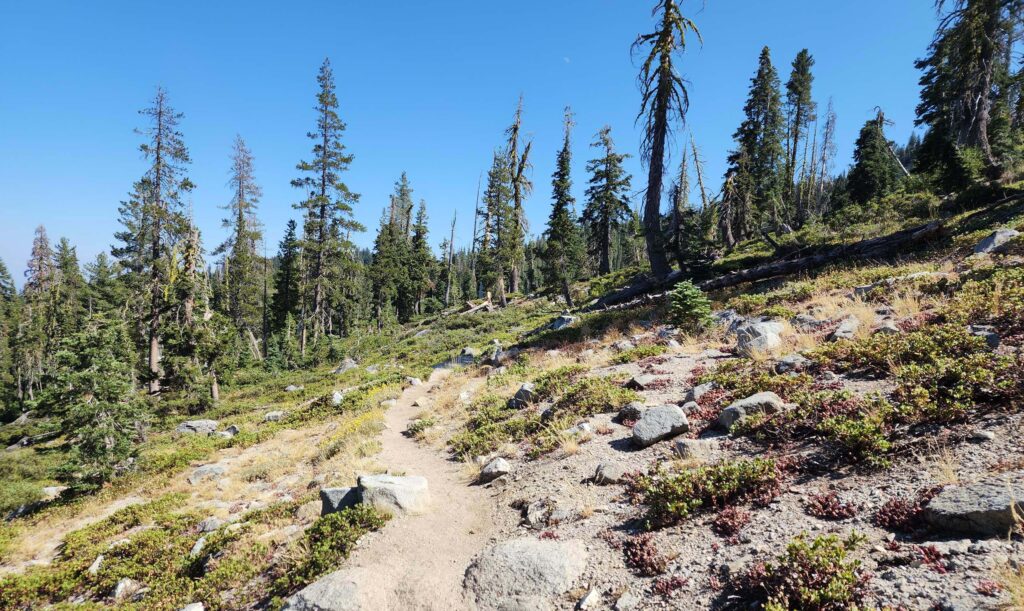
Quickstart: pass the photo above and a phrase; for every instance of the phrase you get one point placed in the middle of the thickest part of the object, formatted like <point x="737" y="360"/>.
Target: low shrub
<point x="591" y="396"/>
<point x="640" y="353"/>
<point x="730" y="522"/>
<point x="689" y="307"/>
<point x="903" y="515"/>
<point x="828" y="506"/>
<point x="551" y="384"/>
<point x="643" y="557"/>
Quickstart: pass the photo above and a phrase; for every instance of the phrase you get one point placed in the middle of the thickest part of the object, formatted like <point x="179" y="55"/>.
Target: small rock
<point x="411" y="381"/>
<point x="760" y="336"/>
<point x="659" y="423"/>
<point x="233" y="430"/>
<point x="394" y="494"/>
<point x="342" y="590"/>
<point x="347" y="364"/>
<point x="523" y="397"/>
<point x="562" y="321"/>
<point x="197" y="427"/>
<point x="335" y="499"/>
<point x="696" y="449"/>
<point x="791" y="362"/>
<point x="210" y="524"/>
<point x="986" y="332"/>
<point x="96" y="564"/>
<point x="673" y="344"/>
<point x="193" y="607"/>
<point x="126" y="588"/>
<point x="545" y="512"/>
<point x="495" y="469"/>
<point x="887" y="327"/>
<point x="847" y="329"/>
<point x="470" y="352"/>
<point x="524" y="573"/>
<point x="388" y="403"/>
<point x="982" y="436"/>
<point x="206" y="472"/>
<point x="641" y="382"/>
<point x="631" y="412"/>
<point x="806" y="322"/>
<point x="274" y="416"/>
<point x="995" y="242"/>
<point x="760" y="402"/>
<point x="623" y="345"/>
<point x="293" y="388"/>
<point x="336" y="398"/>
<point x="698" y="391"/>
<point x="609" y="473"/>
<point x="591" y="600"/>
<point x="197" y="549"/>
<point x="627" y="601"/>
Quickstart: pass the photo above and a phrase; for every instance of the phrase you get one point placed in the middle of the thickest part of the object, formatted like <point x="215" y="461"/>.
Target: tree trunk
<point x="652" y="206"/>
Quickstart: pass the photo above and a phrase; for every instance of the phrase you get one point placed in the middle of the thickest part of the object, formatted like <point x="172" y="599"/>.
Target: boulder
<point x="702" y="450"/>
<point x="984" y="508"/>
<point x="659" y="423"/>
<point x="791" y="362"/>
<point x="411" y="381"/>
<point x="210" y="524"/>
<point x="197" y="427"/>
<point x="698" y="391"/>
<point x="761" y="402"/>
<point x="986" y="332"/>
<point x="335" y="499"/>
<point x="847" y="329"/>
<point x="407" y="494"/>
<point x="995" y="241"/>
<point x="206" y="472"/>
<point x="347" y="364"/>
<point x="562" y="322"/>
<point x="623" y="345"/>
<point x="293" y="388"/>
<point x="887" y="327"/>
<point x="128" y="589"/>
<point x="730" y="319"/>
<point x="495" y="469"/>
<point x="759" y="336"/>
<point x="274" y="416"/>
<point x="641" y="382"/>
<point x="806" y="323"/>
<point x="336" y="397"/>
<point x="545" y="512"/>
<point x="609" y="473"/>
<point x="523" y="397"/>
<point x="524" y="573"/>
<point x="590" y="600"/>
<point x="197" y="549"/>
<point x="673" y="344"/>
<point x="342" y="590"/>
<point x="94" y="568"/>
<point x="631" y="412"/>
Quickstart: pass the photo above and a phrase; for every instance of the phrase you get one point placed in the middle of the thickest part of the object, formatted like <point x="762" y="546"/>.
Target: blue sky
<point x="425" y="87"/>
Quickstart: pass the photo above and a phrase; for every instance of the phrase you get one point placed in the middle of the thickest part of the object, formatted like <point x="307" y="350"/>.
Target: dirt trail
<point x="418" y="562"/>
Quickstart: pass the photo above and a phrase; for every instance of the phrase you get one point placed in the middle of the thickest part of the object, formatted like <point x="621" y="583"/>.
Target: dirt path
<point x="418" y="562"/>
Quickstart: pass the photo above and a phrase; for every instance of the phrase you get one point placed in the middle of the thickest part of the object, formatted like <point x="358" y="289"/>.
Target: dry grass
<point x="942" y="463"/>
<point x="1012" y="580"/>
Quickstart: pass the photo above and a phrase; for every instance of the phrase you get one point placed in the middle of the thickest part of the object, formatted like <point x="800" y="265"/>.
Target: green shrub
<point x="493" y="424"/>
<point x="553" y="383"/>
<point x="862" y="436"/>
<point x="777" y="311"/>
<point x="671" y="497"/>
<point x="749" y="303"/>
<point x="689" y="307"/>
<point x="640" y="353"/>
<point x="994" y="297"/>
<point x="419" y="426"/>
<point x="591" y="396"/>
<point x="811" y="576"/>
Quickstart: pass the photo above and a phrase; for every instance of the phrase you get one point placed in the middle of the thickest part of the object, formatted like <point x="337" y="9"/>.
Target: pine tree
<point x="67" y="311"/>
<point x="801" y="111"/>
<point x="421" y="260"/>
<point x="32" y="340"/>
<point x="519" y="165"/>
<point x="754" y="179"/>
<point x="286" y="279"/>
<point x="243" y="264"/>
<point x="664" y="101"/>
<point x="328" y="207"/>
<point x="104" y="291"/>
<point x="8" y="326"/>
<point x="93" y="395"/>
<point x="388" y="272"/>
<point x="607" y="200"/>
<point x="496" y="246"/>
<point x="875" y="171"/>
<point x="563" y="248"/>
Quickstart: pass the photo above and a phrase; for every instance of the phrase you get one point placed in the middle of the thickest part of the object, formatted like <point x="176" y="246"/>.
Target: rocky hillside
<point x="850" y="437"/>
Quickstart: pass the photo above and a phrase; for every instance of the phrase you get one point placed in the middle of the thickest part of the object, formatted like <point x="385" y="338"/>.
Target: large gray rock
<point x="847" y="329"/>
<point x="274" y="416"/>
<point x="206" y="472"/>
<point x="406" y="494"/>
<point x="336" y="499"/>
<point x="609" y="473"/>
<point x="659" y="423"/>
<point x="523" y="397"/>
<point x="641" y="382"/>
<point x="347" y="364"/>
<point x="759" y="336"/>
<point x="343" y="590"/>
<point x="562" y="322"/>
<point x="524" y="573"/>
<point x="760" y="402"/>
<point x="197" y="427"/>
<point x="495" y="469"/>
<point x="996" y="241"/>
<point x="791" y="362"/>
<point x="983" y="508"/>
<point x="698" y="391"/>
<point x="703" y="450"/>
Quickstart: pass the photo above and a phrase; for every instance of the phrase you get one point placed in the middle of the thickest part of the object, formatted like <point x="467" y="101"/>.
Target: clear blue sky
<point x="425" y="87"/>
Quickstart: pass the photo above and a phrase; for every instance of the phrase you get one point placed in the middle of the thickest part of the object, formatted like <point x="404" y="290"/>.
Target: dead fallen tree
<point x="648" y="289"/>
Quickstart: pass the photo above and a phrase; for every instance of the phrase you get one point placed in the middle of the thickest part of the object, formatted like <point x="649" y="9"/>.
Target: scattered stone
<point x="395" y="494"/>
<point x="94" y="568"/>
<point x="806" y="322"/>
<point x="336" y="397"/>
<point x="887" y="327"/>
<point x="524" y="573"/>
<point x="591" y="600"/>
<point x="197" y="549"/>
<point x="293" y="388"/>
<point x="627" y="601"/>
<point x="631" y="412"/>
<point x="698" y="391"/>
<point x="983" y="436"/>
<point x="545" y="512"/>
<point x="728" y="318"/>
<point x="206" y="472"/>
<point x="495" y="469"/>
<point x="659" y="423"/>
<point x="193" y="607"/>
<point x="411" y="381"/>
<point x="210" y="524"/>
<point x="791" y="362"/>
<point x="126" y="589"/>
<point x="641" y="382"/>
<point x="274" y="416"/>
<point x="995" y="241"/>
<point x="847" y="329"/>
<point x="673" y="344"/>
<point x="421" y="402"/>
<point x="609" y="473"/>
<point x="761" y="336"/>
<point x="347" y="364"/>
<point x="197" y="427"/>
<point x="335" y="499"/>
<point x="337" y="591"/>
<point x="233" y="430"/>
<point x="623" y="345"/>
<point x="986" y="507"/>
<point x="760" y="402"/>
<point x="562" y="322"/>
<point x="523" y="397"/>
<point x="582" y="428"/>
<point x="986" y="332"/>
<point x="702" y="450"/>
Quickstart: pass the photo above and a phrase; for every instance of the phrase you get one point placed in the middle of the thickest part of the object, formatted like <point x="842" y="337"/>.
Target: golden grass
<point x="942" y="463"/>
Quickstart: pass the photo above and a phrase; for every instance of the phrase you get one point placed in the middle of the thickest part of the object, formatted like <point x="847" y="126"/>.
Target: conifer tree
<point x="104" y="291"/>
<point x="33" y="335"/>
<point x="388" y="271"/>
<point x="664" y="102"/>
<point x="286" y="279"/>
<point x="67" y="311"/>
<point x="421" y="260"/>
<point x="607" y="200"/>
<point x="801" y="111"/>
<point x="243" y="273"/>
<point x="518" y="165"/>
<point x="563" y="244"/>
<point x="496" y="247"/>
<point x="8" y="326"/>
<point x="327" y="208"/>
<point x="875" y="171"/>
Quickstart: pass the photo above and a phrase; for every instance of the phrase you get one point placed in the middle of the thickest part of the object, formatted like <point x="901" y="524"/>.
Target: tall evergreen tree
<point x="496" y="246"/>
<point x="754" y="179"/>
<point x="421" y="261"/>
<point x="104" y="293"/>
<point x="327" y="208"/>
<point x="32" y="341"/>
<point x="8" y="327"/>
<point x="388" y="272"/>
<point x="664" y="102"/>
<point x="801" y="111"/>
<point x="286" y="279"/>
<point x="243" y="265"/>
<point x="607" y="200"/>
<point x="875" y="171"/>
<point x="67" y="311"/>
<point x="563" y="245"/>
<point x="519" y="165"/>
